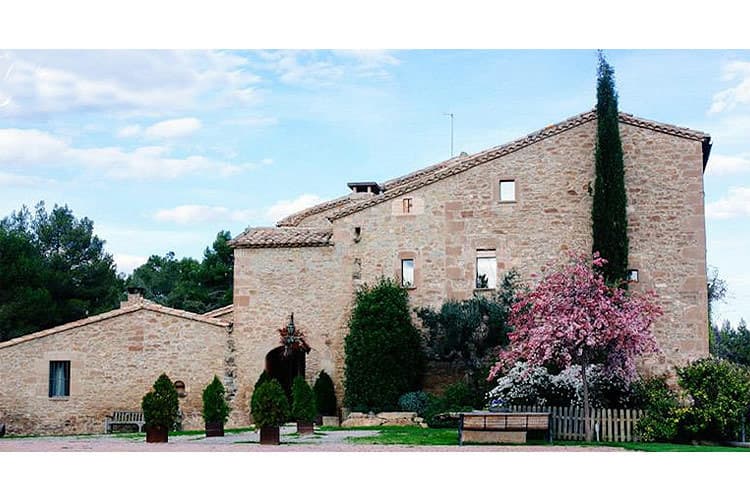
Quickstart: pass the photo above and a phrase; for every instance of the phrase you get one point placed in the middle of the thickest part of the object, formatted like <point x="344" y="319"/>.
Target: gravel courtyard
<point x="325" y="441"/>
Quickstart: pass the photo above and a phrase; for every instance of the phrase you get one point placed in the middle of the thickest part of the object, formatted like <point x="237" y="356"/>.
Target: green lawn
<point x="417" y="436"/>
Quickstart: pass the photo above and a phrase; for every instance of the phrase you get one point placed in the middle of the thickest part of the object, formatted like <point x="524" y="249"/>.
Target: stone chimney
<point x="135" y="295"/>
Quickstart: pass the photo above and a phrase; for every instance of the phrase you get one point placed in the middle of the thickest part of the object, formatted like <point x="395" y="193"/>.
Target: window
<point x="486" y="269"/>
<point x="633" y="275"/>
<point x="406" y="205"/>
<point x="407" y="273"/>
<point x="507" y="191"/>
<point x="357" y="234"/>
<point x="179" y="386"/>
<point x="59" y="379"/>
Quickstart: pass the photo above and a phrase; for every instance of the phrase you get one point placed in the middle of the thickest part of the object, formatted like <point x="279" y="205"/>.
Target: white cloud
<point x="190" y="214"/>
<point x="739" y="94"/>
<point x="130" y="131"/>
<point x="142" y="82"/>
<point x="282" y="208"/>
<point x="35" y="148"/>
<point x="169" y="129"/>
<point x="193" y="214"/>
<point x="127" y="263"/>
<point x="734" y="204"/>
<point x="322" y="69"/>
<point x="727" y="165"/>
<point x="13" y="180"/>
<point x="252" y="121"/>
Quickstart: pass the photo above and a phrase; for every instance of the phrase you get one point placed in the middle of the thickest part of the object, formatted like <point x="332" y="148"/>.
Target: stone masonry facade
<point x="455" y="211"/>
<point x="114" y="360"/>
<point x="313" y="262"/>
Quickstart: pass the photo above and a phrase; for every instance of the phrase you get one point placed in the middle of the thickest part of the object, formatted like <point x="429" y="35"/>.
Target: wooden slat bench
<point x="122" y="417"/>
<point x="492" y="427"/>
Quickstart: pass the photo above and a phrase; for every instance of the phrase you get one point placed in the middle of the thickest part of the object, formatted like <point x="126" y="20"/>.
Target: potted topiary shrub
<point x="270" y="409"/>
<point x="325" y="399"/>
<point x="303" y="405"/>
<point x="161" y="410"/>
<point x="215" y="408"/>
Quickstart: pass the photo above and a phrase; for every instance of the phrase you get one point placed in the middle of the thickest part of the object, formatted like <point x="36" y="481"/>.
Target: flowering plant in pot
<point x="270" y="409"/>
<point x="303" y="405"/>
<point x="161" y="410"/>
<point x="215" y="408"/>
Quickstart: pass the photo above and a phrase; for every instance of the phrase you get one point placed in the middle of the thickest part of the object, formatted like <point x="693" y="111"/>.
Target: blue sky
<point x="163" y="149"/>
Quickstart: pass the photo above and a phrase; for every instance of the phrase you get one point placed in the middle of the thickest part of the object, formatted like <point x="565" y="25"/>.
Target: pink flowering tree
<point x="573" y="318"/>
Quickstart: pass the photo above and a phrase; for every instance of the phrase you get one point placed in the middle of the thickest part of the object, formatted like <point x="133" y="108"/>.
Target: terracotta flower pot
<point x="157" y="434"/>
<point x="305" y="428"/>
<point x="214" y="429"/>
<point x="269" y="435"/>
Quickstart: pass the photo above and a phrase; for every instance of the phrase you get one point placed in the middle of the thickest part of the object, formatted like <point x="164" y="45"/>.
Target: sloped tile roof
<point x="282" y="237"/>
<point x="136" y="305"/>
<point x="296" y="218"/>
<point x="402" y="185"/>
<point x="220" y="311"/>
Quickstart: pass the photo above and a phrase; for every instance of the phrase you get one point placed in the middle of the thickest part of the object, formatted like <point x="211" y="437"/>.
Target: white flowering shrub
<point x="524" y="385"/>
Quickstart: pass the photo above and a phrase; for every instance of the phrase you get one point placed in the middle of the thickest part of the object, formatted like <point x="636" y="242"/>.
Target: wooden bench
<point x="123" y="417"/>
<point x="492" y="427"/>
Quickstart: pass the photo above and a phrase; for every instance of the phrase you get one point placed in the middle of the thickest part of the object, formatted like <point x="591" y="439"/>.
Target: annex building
<point x="445" y="232"/>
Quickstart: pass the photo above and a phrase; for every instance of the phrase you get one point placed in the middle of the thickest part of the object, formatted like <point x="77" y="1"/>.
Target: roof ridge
<point x="218" y="311"/>
<point x="439" y="171"/>
<point x="284" y="236"/>
<point x="295" y="218"/>
<point x="137" y="306"/>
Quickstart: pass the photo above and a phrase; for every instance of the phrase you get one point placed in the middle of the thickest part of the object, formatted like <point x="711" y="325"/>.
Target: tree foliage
<point x="215" y="407"/>
<point x="732" y="344"/>
<point x="467" y="332"/>
<point x="303" y="401"/>
<point x="719" y="392"/>
<point x="573" y="317"/>
<point x="383" y="351"/>
<point x="53" y="269"/>
<point x="186" y="283"/>
<point x="269" y="405"/>
<point x="325" y="395"/>
<point x="161" y="405"/>
<point x="608" y="215"/>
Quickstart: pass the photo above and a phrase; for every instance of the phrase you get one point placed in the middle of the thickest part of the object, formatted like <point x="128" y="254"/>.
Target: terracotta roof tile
<point x="136" y="305"/>
<point x="220" y="311"/>
<point x="296" y="218"/>
<point x="405" y="184"/>
<point x="280" y="237"/>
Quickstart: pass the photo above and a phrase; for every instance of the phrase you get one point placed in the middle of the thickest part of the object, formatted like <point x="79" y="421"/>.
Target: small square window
<point x="633" y="275"/>
<point x="507" y="191"/>
<point x="406" y="205"/>
<point x="407" y="273"/>
<point x="59" y="379"/>
<point x="486" y="269"/>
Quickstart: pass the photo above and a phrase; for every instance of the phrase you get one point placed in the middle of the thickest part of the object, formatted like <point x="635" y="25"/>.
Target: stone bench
<point x="123" y="417"/>
<point x="495" y="427"/>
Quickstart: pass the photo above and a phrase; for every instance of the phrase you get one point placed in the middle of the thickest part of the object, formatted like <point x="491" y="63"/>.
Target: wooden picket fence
<point x="567" y="422"/>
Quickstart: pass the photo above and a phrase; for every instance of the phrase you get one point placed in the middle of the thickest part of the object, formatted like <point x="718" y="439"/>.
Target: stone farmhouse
<point x="445" y="232"/>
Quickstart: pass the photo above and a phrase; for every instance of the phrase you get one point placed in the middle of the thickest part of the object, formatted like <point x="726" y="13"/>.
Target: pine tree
<point x="609" y="217"/>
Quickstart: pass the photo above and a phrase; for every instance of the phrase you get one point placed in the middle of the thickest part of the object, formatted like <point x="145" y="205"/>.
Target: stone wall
<point x="456" y="216"/>
<point x="113" y="364"/>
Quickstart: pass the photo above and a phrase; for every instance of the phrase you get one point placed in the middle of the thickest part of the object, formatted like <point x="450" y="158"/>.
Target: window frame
<point x="53" y="384"/>
<point x="407" y="204"/>
<point x="500" y="190"/>
<point x="413" y="283"/>
<point x="485" y="254"/>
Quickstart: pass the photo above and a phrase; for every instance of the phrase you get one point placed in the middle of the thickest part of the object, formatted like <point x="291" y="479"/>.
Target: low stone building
<point x="67" y="379"/>
<point x="445" y="232"/>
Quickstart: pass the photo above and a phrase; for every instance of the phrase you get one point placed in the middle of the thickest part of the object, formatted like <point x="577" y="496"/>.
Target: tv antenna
<point x="451" y="115"/>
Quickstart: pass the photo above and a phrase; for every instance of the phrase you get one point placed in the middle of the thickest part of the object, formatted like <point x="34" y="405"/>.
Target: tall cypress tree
<point x="609" y="217"/>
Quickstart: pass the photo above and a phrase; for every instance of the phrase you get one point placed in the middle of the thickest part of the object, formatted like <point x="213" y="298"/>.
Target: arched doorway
<point x="285" y="368"/>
